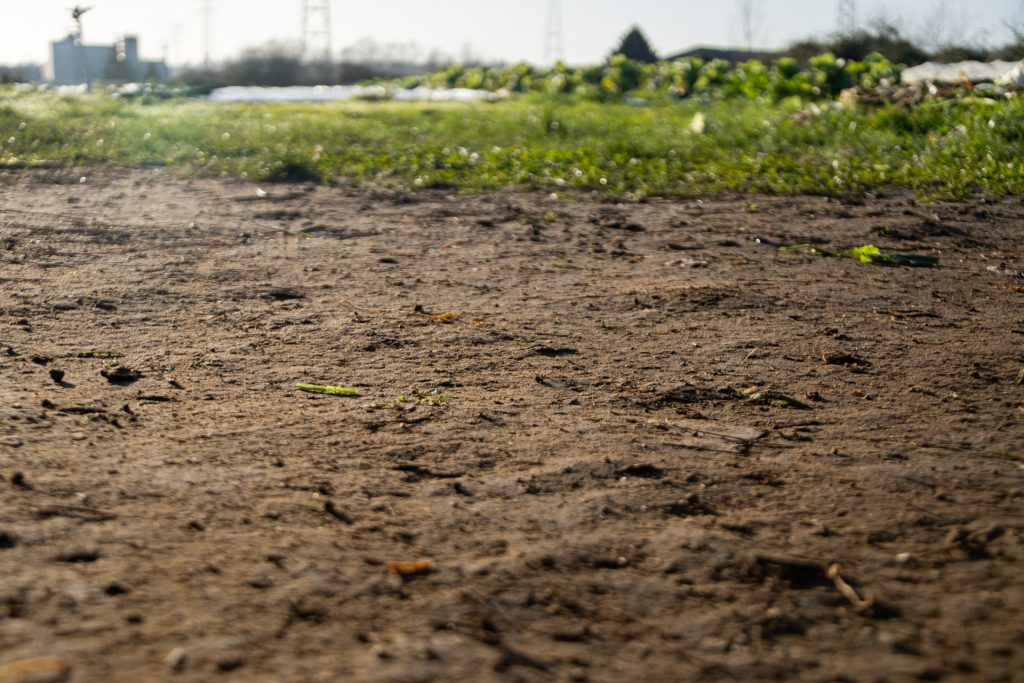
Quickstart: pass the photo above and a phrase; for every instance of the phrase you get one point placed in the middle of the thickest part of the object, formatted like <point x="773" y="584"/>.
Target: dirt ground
<point x="634" y="453"/>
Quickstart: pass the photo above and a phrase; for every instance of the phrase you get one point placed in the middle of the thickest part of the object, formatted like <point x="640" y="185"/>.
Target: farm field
<point x="599" y="435"/>
<point x="961" y="148"/>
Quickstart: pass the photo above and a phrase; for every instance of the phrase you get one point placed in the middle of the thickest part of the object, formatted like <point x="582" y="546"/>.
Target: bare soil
<point x="634" y="452"/>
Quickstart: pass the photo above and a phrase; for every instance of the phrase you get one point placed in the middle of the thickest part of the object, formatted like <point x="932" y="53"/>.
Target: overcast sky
<point x="508" y="30"/>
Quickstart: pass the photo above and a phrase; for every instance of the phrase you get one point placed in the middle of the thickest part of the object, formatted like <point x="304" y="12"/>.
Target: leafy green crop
<point x="824" y="77"/>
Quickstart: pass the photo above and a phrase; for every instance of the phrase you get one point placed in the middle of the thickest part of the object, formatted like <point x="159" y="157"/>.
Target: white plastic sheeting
<point x="975" y="72"/>
<point x="1013" y="78"/>
<point x="336" y="93"/>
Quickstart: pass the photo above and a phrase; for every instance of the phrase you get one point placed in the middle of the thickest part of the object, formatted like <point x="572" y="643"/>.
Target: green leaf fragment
<point x="914" y="260"/>
<point x="812" y="249"/>
<point x="868" y="253"/>
<point x="330" y="391"/>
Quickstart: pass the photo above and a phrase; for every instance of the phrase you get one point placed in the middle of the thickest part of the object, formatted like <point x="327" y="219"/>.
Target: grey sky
<point x="495" y="29"/>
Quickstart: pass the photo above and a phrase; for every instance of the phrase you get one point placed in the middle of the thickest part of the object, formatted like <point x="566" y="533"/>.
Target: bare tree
<point x="750" y="16"/>
<point x="944" y="26"/>
<point x="1016" y="24"/>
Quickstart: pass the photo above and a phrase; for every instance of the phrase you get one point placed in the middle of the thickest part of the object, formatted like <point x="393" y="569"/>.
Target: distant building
<point x="732" y="55"/>
<point x="21" y="73"/>
<point x="74" y="63"/>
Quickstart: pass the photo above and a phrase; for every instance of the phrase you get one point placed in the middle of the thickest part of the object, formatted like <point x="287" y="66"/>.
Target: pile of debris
<point x="933" y="80"/>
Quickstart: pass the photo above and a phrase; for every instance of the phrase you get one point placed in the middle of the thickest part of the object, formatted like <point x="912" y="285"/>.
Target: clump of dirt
<point x="572" y="455"/>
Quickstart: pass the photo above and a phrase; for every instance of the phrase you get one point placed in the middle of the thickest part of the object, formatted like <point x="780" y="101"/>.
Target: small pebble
<point x="176" y="659"/>
<point x="230" y="663"/>
<point x="122" y="375"/>
<point x="903" y="558"/>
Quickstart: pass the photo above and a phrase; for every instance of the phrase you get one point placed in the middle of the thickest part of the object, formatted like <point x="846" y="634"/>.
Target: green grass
<point x="940" y="148"/>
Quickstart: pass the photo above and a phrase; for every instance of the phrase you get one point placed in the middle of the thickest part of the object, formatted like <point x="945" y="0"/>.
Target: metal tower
<point x="750" y="20"/>
<point x="207" y="10"/>
<point x="554" y="38"/>
<point x="846" y="17"/>
<point x="316" y="30"/>
<point x="76" y="15"/>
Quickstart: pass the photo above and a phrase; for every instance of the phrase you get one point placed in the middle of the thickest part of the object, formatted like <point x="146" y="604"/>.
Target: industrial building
<point x="21" y="73"/>
<point x="75" y="63"/>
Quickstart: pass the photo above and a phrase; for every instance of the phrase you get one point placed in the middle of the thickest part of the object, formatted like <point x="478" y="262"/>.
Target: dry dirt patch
<point x="633" y="453"/>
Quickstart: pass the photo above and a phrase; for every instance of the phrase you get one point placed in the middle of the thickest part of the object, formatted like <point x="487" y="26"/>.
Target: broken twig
<point x="859" y="604"/>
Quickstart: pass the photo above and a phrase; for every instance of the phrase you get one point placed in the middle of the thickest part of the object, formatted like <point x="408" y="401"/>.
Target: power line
<point x="316" y="30"/>
<point x="554" y="36"/>
<point x="846" y="17"/>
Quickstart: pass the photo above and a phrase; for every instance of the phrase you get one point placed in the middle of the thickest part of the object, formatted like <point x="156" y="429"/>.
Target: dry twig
<point x="859" y="604"/>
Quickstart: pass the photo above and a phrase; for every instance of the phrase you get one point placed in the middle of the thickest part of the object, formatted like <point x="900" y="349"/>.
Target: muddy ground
<point x="633" y="454"/>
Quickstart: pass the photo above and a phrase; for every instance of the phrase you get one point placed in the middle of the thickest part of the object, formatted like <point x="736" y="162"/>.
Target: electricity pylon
<point x="554" y="37"/>
<point x="846" y="17"/>
<point x="316" y="30"/>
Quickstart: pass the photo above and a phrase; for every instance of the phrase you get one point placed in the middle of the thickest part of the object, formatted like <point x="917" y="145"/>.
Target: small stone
<point x="38" y="670"/>
<point x="121" y="375"/>
<point x="176" y="659"/>
<point x="903" y="558"/>
<point x="7" y="540"/>
<point x="228" y="664"/>
<point x="57" y="375"/>
<point x="380" y="651"/>
<point x="114" y="589"/>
